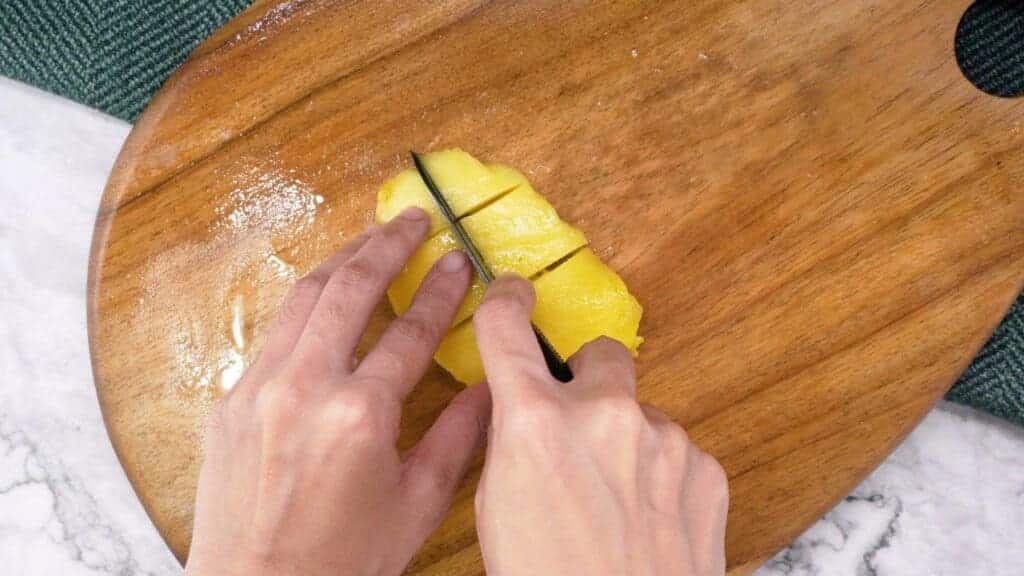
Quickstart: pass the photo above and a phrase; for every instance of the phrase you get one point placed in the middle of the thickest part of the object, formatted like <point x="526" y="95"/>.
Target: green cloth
<point x="113" y="54"/>
<point x="108" y="54"/>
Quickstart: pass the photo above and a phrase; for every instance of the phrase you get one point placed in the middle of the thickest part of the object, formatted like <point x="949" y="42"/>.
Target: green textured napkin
<point x="108" y="54"/>
<point x="114" y="54"/>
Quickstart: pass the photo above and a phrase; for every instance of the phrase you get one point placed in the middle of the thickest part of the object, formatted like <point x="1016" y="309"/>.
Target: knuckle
<point x="618" y="411"/>
<point x="535" y="413"/>
<point x="394" y="242"/>
<point x="405" y="230"/>
<point x="355" y="411"/>
<point x="715" y="474"/>
<point x="391" y="361"/>
<point x="616" y="373"/>
<point x="416" y="329"/>
<point x="371" y="236"/>
<point x="371" y="232"/>
<point x="277" y="403"/>
<point x="320" y="360"/>
<point x="438" y="288"/>
<point x="433" y="482"/>
<point x="335" y="312"/>
<point x="677" y="436"/>
<point x="614" y="419"/>
<point x="609" y="360"/>
<point x="498" y="309"/>
<point x="359" y="272"/>
<point x="309" y="285"/>
<point x="306" y="290"/>
<point x="676" y="444"/>
<point x="463" y="406"/>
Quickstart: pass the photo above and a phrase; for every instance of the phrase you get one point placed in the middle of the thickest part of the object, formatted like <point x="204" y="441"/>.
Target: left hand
<point x="302" y="474"/>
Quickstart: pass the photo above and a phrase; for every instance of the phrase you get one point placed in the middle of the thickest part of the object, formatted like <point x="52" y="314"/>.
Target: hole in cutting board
<point x="989" y="46"/>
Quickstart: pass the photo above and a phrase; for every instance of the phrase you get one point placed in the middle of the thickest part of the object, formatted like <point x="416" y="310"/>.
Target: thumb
<point x="436" y="465"/>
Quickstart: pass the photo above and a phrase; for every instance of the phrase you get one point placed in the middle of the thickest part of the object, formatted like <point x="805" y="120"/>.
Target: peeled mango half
<point x="517" y="231"/>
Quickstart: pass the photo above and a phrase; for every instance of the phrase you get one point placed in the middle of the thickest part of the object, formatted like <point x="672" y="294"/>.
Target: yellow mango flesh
<point x="459" y="356"/>
<point x="462" y="179"/>
<point x="577" y="302"/>
<point x="583" y="299"/>
<point x="520" y="234"/>
<point x="516" y="231"/>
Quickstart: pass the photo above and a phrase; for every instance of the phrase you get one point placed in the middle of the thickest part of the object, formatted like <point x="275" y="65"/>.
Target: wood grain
<point x="821" y="217"/>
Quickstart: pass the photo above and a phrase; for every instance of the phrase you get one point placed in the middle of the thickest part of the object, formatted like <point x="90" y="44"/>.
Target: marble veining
<point x="838" y="535"/>
<point x="949" y="501"/>
<point x="65" y="506"/>
<point x="44" y="506"/>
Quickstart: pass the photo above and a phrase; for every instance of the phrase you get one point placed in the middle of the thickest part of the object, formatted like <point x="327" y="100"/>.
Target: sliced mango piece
<point x="464" y="181"/>
<point x="459" y="356"/>
<point x="507" y="177"/>
<point x="520" y="233"/>
<point x="583" y="299"/>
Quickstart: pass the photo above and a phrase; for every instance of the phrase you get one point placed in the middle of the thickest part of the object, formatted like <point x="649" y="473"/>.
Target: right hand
<point x="579" y="477"/>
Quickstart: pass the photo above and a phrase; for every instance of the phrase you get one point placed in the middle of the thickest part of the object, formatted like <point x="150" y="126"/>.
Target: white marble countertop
<point x="950" y="500"/>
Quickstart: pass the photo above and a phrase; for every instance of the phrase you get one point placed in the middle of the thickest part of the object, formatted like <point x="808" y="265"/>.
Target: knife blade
<point x="556" y="365"/>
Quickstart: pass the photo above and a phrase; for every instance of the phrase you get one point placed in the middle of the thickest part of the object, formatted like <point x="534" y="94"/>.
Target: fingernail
<point x="413" y="213"/>
<point x="453" y="261"/>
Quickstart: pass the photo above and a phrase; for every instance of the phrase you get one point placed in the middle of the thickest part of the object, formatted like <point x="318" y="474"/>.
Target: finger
<point x="405" y="350"/>
<point x="340" y="316"/>
<point x="511" y="356"/>
<point x="604" y="363"/>
<point x="300" y="301"/>
<point x="438" y="463"/>
<point x="706" y="505"/>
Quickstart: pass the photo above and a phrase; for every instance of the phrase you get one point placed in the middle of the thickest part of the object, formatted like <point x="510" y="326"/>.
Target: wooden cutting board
<point x="821" y="217"/>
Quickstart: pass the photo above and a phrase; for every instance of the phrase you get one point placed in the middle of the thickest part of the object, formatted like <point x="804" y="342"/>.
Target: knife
<point x="558" y="368"/>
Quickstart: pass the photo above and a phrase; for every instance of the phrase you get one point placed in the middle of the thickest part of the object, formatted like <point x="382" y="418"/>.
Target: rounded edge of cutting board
<point x="132" y="151"/>
<point x="137" y="157"/>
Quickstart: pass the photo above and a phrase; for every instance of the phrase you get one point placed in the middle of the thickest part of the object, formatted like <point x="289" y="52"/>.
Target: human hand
<point x="579" y="478"/>
<point x="302" y="475"/>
